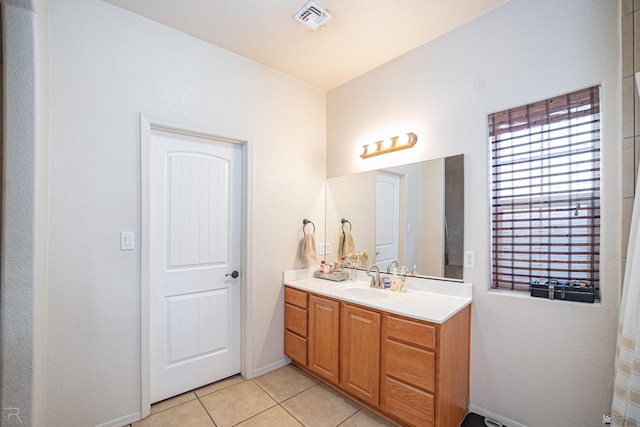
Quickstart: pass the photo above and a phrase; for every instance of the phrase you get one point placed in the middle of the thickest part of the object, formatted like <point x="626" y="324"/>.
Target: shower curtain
<point x="625" y="407"/>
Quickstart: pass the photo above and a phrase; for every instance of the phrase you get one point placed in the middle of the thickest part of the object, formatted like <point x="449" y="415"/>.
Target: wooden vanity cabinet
<point x="360" y="353"/>
<point x="295" y="324"/>
<point x="324" y="337"/>
<point x="413" y="371"/>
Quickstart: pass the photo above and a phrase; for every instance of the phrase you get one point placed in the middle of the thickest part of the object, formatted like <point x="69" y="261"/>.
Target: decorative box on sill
<point x="562" y="289"/>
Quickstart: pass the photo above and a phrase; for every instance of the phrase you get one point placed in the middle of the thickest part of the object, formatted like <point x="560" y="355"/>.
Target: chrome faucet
<point x="375" y="280"/>
<point x="390" y="264"/>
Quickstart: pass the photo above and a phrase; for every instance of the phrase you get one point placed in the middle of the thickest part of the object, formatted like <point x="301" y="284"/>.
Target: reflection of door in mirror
<point x="387" y="218"/>
<point x="430" y="192"/>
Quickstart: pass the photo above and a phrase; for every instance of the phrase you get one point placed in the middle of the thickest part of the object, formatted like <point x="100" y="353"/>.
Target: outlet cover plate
<point x="470" y="259"/>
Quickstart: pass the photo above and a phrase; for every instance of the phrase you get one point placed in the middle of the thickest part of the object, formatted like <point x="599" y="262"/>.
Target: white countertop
<point x="425" y="299"/>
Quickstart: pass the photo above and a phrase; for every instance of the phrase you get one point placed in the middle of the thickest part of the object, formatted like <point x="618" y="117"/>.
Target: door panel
<point x="198" y="223"/>
<point x="195" y="212"/>
<point x="186" y="339"/>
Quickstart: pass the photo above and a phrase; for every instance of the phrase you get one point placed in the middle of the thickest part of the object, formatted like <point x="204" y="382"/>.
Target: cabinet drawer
<point x="407" y="403"/>
<point x="409" y="364"/>
<point x="296" y="297"/>
<point x="295" y="319"/>
<point x="295" y="347"/>
<point x="412" y="332"/>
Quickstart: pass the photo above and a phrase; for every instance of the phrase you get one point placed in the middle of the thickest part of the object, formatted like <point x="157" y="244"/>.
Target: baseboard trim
<point x="271" y="367"/>
<point x="124" y="420"/>
<point x="488" y="414"/>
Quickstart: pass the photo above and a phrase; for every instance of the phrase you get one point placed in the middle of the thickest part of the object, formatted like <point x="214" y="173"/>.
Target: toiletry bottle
<point x="403" y="278"/>
<point x="322" y="265"/>
<point x="394" y="280"/>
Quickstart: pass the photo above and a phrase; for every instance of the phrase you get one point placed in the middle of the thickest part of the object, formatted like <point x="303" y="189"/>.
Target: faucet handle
<point x="372" y="283"/>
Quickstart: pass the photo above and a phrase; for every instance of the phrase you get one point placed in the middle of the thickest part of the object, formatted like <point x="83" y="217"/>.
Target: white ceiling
<point x="360" y="36"/>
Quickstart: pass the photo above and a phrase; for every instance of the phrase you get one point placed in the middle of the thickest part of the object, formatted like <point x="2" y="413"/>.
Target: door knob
<point x="234" y="274"/>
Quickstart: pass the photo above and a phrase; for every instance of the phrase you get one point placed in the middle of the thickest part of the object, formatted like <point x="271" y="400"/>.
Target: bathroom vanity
<point x="404" y="354"/>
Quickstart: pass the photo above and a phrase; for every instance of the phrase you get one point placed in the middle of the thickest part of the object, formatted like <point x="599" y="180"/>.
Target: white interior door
<point x="195" y="244"/>
<point x="387" y="218"/>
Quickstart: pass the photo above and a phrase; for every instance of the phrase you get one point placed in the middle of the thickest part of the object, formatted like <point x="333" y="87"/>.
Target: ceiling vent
<point x="312" y="15"/>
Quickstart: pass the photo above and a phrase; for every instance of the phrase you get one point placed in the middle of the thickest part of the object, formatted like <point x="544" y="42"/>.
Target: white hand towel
<point x="347" y="245"/>
<point x="308" y="252"/>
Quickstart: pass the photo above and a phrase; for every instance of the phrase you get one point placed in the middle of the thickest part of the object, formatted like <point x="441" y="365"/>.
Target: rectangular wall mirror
<point x="413" y="214"/>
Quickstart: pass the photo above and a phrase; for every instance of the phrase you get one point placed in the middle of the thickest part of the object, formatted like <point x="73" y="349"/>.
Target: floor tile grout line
<point x="264" y="390"/>
<point x="205" y="410"/>
<point x="287" y="399"/>
<point x="194" y="391"/>
<point x="176" y="405"/>
<point x="275" y="402"/>
<point x="220" y="389"/>
<point x="278" y="403"/>
<point x="255" y="415"/>
<point x="290" y="397"/>
<point x="292" y="416"/>
<point x="350" y="416"/>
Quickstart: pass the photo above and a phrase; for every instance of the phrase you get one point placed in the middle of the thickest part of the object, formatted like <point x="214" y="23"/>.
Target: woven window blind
<point x="545" y="162"/>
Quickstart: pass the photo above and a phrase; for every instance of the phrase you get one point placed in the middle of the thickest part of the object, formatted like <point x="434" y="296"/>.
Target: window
<point x="545" y="173"/>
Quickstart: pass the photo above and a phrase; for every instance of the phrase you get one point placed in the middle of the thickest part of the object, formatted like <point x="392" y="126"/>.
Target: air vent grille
<point x="312" y="15"/>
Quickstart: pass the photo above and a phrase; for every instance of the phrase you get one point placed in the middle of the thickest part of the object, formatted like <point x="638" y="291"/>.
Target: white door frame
<point x="246" y="347"/>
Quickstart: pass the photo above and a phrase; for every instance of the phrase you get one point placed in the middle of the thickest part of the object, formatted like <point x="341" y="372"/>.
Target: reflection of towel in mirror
<point x="308" y="251"/>
<point x="347" y="245"/>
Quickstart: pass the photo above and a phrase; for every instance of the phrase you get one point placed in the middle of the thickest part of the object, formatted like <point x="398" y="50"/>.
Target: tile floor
<point x="285" y="397"/>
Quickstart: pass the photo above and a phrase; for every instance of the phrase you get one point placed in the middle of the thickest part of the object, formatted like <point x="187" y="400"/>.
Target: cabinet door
<point x="360" y="353"/>
<point x="324" y="337"/>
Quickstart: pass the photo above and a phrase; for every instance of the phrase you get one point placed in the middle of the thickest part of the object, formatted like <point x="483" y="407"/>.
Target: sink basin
<point x="356" y="292"/>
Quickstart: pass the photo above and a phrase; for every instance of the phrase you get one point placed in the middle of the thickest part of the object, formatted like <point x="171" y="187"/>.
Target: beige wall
<point x="534" y="362"/>
<point x="108" y="66"/>
<point x="630" y="115"/>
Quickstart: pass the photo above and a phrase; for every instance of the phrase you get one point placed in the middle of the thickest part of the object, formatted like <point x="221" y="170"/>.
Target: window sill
<point x="525" y="295"/>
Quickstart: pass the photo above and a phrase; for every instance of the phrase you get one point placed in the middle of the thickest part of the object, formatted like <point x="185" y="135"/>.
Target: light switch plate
<point x="126" y="241"/>
<point x="321" y="249"/>
<point x="470" y="259"/>
<point x="327" y="248"/>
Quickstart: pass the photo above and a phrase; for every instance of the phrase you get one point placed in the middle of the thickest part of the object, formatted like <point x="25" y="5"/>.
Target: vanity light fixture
<point x="389" y="146"/>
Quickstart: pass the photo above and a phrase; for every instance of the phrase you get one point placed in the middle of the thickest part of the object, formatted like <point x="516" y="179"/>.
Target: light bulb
<point x="403" y="139"/>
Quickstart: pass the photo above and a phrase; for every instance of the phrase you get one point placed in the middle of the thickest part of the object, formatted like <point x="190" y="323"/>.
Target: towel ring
<point x="304" y="224"/>
<point x="343" y="221"/>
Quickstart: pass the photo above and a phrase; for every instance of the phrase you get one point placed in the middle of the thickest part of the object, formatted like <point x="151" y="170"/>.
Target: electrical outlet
<point x="327" y="248"/>
<point x="470" y="259"/>
<point x="321" y="249"/>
